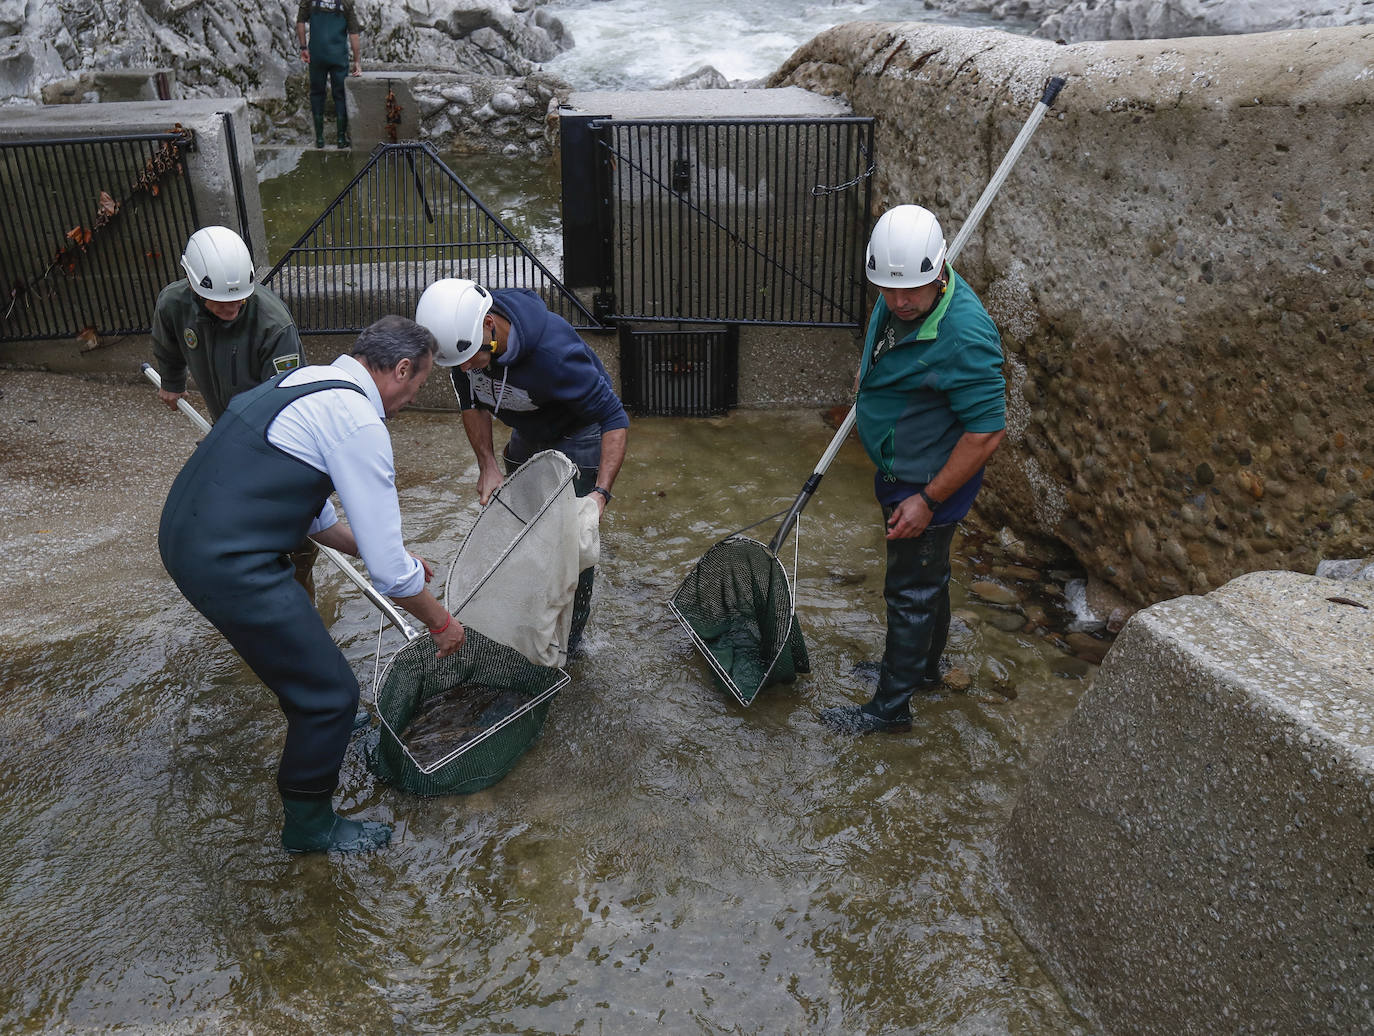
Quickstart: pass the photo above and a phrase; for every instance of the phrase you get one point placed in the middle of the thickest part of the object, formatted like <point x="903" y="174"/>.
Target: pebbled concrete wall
<point x="1196" y="850"/>
<point x="1182" y="269"/>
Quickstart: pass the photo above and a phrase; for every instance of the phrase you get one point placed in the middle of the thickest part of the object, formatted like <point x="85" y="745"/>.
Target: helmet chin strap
<point x="944" y="286"/>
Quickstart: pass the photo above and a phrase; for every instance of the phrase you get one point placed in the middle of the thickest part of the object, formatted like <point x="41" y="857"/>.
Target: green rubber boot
<point x="344" y="139"/>
<point x="319" y="130"/>
<point x="312" y="826"/>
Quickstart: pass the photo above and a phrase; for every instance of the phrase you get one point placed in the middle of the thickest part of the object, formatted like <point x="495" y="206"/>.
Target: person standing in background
<point x="327" y="31"/>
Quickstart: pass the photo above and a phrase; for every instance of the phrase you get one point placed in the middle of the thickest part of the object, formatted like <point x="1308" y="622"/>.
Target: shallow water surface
<point x="662" y="859"/>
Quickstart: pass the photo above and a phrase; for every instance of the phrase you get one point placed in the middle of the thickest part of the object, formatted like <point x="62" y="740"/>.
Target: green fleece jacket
<point x="224" y="359"/>
<point x="930" y="387"/>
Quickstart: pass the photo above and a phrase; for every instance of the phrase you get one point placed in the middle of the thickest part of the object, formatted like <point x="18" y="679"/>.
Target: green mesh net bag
<point x="736" y="605"/>
<point x="455" y="725"/>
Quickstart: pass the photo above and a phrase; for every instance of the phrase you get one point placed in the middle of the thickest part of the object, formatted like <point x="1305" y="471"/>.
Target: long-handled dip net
<point x="737" y="606"/>
<point x="459" y="724"/>
<point x="737" y="603"/>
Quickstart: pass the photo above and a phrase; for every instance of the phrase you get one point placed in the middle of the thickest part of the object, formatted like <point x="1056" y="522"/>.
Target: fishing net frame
<point x="414" y="676"/>
<point x="712" y="594"/>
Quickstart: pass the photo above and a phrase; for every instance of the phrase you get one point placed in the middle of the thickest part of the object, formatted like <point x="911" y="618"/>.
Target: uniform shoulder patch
<point x="287" y="363"/>
<point x="189" y="337"/>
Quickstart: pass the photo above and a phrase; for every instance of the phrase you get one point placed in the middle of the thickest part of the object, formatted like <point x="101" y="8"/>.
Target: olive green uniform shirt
<point x="224" y="359"/>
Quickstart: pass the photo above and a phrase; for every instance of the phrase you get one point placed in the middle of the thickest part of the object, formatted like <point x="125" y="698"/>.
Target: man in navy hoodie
<point x="518" y="361"/>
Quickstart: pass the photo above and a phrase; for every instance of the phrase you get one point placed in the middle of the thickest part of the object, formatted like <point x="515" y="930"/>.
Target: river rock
<point x="994" y="593"/>
<point x="1087" y="647"/>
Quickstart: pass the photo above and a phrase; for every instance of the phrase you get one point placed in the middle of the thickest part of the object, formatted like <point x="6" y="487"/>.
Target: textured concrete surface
<point x="1196" y="851"/>
<point x="1182" y="269"/>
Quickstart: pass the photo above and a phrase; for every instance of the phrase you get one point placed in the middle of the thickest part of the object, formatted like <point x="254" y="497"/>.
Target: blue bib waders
<point x="237" y="508"/>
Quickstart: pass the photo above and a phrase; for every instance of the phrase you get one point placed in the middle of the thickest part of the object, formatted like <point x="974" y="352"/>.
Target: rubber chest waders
<point x="237" y="507"/>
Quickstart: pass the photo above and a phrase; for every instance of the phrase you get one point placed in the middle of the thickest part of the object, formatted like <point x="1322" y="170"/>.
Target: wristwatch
<point x="604" y="492"/>
<point x="931" y="502"/>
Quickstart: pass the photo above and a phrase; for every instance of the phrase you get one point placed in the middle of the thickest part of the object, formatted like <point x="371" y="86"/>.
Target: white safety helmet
<point x="218" y="265"/>
<point x="453" y="309"/>
<point x="907" y="248"/>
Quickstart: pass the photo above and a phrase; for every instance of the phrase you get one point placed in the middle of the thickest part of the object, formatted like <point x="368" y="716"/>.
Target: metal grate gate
<point x="403" y="222"/>
<point x="681" y="373"/>
<point x="754" y="221"/>
<point x="94" y="231"/>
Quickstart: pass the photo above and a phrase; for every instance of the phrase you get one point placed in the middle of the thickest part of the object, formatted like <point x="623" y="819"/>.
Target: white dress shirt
<point x="341" y="433"/>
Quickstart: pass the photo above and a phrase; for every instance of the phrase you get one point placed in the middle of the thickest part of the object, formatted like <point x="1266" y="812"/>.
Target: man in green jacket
<point x="332" y="28"/>
<point x="931" y="410"/>
<point x="230" y="332"/>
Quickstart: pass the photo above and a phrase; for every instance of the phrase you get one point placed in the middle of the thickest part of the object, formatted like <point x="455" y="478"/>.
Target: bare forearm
<point x="477" y="425"/>
<point x="338" y="536"/>
<point x="970" y="453"/>
<point x="612" y="456"/>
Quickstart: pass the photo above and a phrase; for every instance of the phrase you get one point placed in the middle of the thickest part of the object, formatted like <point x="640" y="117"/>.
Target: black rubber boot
<point x="857" y="719"/>
<point x="312" y="826"/>
<point x="319" y="129"/>
<point x="917" y="592"/>
<point x="344" y="140"/>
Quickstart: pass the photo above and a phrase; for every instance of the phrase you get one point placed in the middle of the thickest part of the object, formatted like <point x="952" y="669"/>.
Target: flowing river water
<point x="660" y="860"/>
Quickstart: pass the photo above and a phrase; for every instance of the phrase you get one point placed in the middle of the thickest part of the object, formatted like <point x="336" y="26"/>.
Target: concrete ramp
<point x="1196" y="851"/>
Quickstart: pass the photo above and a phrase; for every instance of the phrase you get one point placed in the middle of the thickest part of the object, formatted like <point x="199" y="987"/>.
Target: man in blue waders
<point x="518" y="361"/>
<point x="930" y="412"/>
<point x="333" y="32"/>
<point x="253" y="489"/>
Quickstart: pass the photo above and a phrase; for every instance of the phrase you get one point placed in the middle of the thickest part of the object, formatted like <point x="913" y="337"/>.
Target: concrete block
<point x="367" y="108"/>
<point x="1196" y="850"/>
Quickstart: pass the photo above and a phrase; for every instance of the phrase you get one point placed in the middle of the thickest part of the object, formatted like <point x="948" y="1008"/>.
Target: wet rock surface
<point x="1075" y="20"/>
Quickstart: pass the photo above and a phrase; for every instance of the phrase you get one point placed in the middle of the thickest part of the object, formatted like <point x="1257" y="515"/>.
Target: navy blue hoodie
<point x="547" y="383"/>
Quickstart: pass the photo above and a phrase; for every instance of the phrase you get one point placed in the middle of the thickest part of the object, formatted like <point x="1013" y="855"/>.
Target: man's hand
<point x="909" y="519"/>
<point x="450" y="640"/>
<point x="170" y="398"/>
<point x="488" y="481"/>
<point x="356" y="70"/>
<point x="429" y="572"/>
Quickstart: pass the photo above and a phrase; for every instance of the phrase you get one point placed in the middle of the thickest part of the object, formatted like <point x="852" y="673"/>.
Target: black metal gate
<point x="403" y="222"/>
<point x="93" y="229"/>
<point x="751" y="221"/>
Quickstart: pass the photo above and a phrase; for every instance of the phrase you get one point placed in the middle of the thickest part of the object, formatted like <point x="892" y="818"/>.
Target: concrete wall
<point x="209" y="170"/>
<point x="208" y="165"/>
<point x="1195" y="853"/>
<point x="1181" y="266"/>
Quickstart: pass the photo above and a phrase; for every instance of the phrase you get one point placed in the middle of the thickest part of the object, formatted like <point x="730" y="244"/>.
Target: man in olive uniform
<point x="218" y="322"/>
<point x="332" y="26"/>
<point x="230" y="332"/>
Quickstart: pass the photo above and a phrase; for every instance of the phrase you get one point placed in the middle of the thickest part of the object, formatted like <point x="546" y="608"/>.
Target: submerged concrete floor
<point x="86" y="465"/>
<point x="659" y="853"/>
